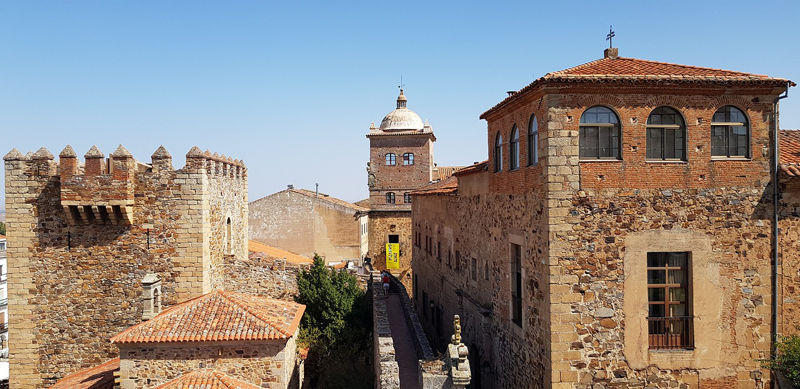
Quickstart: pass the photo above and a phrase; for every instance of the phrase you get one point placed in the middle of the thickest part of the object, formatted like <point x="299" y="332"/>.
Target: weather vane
<point x="610" y="36"/>
<point x="401" y="86"/>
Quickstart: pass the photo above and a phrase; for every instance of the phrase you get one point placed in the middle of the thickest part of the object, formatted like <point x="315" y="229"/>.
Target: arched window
<point x="156" y="301"/>
<point x="513" y="149"/>
<point x="390" y="198"/>
<point x="533" y="141"/>
<point x="228" y="237"/>
<point x="408" y="159"/>
<point x="390" y="159"/>
<point x="599" y="134"/>
<point x="498" y="153"/>
<point x="666" y="135"/>
<point x="730" y="133"/>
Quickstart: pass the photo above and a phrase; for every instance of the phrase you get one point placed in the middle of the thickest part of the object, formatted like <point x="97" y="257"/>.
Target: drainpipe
<point x="775" y="210"/>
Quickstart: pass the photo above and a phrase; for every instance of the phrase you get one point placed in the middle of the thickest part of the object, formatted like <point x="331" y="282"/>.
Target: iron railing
<point x="671" y="332"/>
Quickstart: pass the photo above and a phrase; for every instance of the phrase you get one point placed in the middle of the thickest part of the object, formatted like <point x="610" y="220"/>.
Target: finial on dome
<point x="401" y="100"/>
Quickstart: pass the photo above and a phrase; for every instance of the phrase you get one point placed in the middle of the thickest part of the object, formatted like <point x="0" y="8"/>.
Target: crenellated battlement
<point x="102" y="190"/>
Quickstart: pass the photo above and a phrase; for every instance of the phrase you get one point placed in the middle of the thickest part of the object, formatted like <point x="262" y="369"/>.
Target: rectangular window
<point x="425" y="304"/>
<point x="474" y="269"/>
<point x="407" y="198"/>
<point x="669" y="296"/>
<point x="394" y="238"/>
<point x="516" y="284"/>
<point x="439" y="251"/>
<point x="599" y="142"/>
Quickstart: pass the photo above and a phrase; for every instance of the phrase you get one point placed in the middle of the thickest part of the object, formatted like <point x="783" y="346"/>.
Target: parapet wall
<point x="87" y="234"/>
<point x="387" y="371"/>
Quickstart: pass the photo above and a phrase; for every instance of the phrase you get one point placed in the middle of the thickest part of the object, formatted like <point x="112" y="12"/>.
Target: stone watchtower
<point x="100" y="246"/>
<point x="400" y="161"/>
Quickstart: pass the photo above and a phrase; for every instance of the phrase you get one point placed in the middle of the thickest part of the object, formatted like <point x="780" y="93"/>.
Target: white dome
<point x="402" y="119"/>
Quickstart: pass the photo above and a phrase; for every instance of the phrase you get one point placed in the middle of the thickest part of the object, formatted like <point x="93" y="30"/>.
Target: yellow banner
<point x="393" y="255"/>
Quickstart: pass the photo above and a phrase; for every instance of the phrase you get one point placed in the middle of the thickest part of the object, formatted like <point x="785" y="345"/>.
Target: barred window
<point x="669" y="296"/>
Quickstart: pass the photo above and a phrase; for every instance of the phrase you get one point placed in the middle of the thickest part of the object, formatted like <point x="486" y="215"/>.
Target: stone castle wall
<point x="270" y="277"/>
<point x="481" y="227"/>
<point x="789" y="256"/>
<point x="261" y="363"/>
<point x="75" y="271"/>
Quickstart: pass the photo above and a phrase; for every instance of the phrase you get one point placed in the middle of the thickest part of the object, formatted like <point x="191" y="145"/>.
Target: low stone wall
<point x="421" y="344"/>
<point x="262" y="276"/>
<point x="387" y="372"/>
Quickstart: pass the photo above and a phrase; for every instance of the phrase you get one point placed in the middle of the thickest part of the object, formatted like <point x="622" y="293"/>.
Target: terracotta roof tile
<point x="97" y="377"/>
<point x="2" y="236"/>
<point x="207" y="379"/>
<point x="448" y="186"/>
<point x="622" y="69"/>
<point x="474" y="168"/>
<point x="218" y="316"/>
<point x="444" y="172"/>
<point x="274" y="252"/>
<point x="790" y="152"/>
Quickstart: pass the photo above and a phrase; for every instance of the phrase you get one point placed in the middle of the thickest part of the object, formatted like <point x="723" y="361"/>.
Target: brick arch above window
<point x="609" y="101"/>
<point x="739" y="102"/>
<point x="675" y="102"/>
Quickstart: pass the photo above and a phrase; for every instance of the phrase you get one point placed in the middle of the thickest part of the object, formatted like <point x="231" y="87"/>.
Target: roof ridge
<point x="229" y="294"/>
<point x="574" y="67"/>
<point x="694" y="66"/>
<point x="162" y="315"/>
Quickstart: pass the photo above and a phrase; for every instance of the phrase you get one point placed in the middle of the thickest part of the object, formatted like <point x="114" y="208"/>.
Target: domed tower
<point x="400" y="161"/>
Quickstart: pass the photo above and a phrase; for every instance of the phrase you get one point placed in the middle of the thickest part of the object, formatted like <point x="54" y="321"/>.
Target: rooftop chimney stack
<point x="612" y="53"/>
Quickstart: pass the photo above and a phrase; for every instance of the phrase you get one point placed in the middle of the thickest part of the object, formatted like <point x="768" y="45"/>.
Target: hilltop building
<point x="307" y="222"/>
<point x="620" y="233"/>
<point x="400" y="161"/>
<point x="99" y="246"/>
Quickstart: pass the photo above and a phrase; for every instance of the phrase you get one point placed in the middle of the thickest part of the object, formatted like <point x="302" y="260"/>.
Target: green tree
<point x="2" y="228"/>
<point x="787" y="358"/>
<point x="336" y="327"/>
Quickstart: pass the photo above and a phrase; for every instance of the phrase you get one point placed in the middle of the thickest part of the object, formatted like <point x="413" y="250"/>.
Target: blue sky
<point x="292" y="86"/>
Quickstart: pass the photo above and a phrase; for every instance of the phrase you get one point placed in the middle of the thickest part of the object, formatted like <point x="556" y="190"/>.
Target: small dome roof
<point x="402" y="118"/>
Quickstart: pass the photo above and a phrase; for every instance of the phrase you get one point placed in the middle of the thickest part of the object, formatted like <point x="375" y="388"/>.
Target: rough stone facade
<point x="305" y="223"/>
<point x="585" y="228"/>
<point x="87" y="234"/>
<point x="267" y="364"/>
<point x="270" y="277"/>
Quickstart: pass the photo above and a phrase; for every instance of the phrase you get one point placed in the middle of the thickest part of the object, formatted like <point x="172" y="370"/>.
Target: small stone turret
<point x="95" y="165"/>
<point x="68" y="163"/>
<point x="162" y="160"/>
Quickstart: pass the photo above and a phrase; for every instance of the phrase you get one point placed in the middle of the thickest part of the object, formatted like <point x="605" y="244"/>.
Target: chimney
<point x="612" y="53"/>
<point x="290" y="186"/>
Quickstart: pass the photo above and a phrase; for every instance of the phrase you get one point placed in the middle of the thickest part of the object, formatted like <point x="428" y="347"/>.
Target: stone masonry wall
<point x="74" y="285"/>
<point x="482" y="227"/>
<point x="284" y="219"/>
<point x="383" y="224"/>
<point x="261" y="363"/>
<point x="789" y="272"/>
<point x="387" y="372"/>
<point x="270" y="277"/>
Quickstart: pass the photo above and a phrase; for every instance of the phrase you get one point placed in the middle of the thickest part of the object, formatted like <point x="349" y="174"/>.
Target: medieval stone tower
<point x="98" y="247"/>
<point x="400" y="161"/>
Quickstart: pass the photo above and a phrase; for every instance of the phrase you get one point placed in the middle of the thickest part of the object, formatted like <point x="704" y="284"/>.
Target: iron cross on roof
<point x="610" y="36"/>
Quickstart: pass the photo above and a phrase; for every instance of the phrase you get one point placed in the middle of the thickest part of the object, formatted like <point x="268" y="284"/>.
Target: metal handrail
<point x="675" y="332"/>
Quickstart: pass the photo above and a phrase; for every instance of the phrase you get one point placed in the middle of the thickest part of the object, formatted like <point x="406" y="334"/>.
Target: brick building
<point x="400" y="161"/>
<point x="620" y="233"/>
<point x="307" y="222"/>
<point x="97" y="244"/>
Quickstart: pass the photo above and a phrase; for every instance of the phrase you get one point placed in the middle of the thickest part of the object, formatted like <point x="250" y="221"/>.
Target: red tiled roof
<point x="448" y="186"/>
<point x="474" y="168"/>
<point x="444" y="172"/>
<point x="218" y="316"/>
<point x="790" y="152"/>
<point x="97" y="377"/>
<point x="207" y="379"/>
<point x="622" y="69"/>
<point x="2" y="236"/>
<point x="274" y="252"/>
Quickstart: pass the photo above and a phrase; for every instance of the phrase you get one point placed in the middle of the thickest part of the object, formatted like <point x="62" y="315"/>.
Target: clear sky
<point x="291" y="87"/>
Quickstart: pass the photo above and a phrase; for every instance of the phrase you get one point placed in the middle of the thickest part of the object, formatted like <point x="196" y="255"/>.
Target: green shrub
<point x="787" y="360"/>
